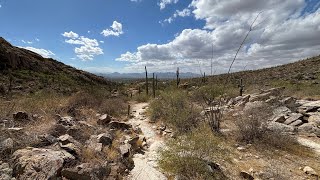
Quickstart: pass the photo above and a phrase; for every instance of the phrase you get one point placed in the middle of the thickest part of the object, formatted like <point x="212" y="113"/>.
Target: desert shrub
<point x="113" y="106"/>
<point x="189" y="156"/>
<point x="252" y="128"/>
<point x="141" y="97"/>
<point x="174" y="109"/>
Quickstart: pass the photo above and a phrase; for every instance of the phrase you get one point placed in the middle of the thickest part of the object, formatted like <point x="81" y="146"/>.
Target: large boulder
<point x="35" y="163"/>
<point x="87" y="171"/>
<point x="310" y="128"/>
<point x="279" y="127"/>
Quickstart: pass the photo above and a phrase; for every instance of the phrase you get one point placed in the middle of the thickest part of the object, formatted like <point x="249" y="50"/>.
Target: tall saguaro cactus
<point x="147" y="89"/>
<point x="178" y="78"/>
<point x="241" y="87"/>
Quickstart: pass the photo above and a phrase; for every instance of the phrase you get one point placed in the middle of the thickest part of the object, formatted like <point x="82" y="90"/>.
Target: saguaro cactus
<point x="178" y="79"/>
<point x="147" y="90"/>
<point x="241" y="87"/>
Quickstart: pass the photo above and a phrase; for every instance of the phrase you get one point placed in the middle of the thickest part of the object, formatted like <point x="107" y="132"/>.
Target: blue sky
<point x="162" y="34"/>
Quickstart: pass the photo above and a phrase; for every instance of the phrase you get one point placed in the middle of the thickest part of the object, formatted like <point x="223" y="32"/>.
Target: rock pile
<point x="289" y="114"/>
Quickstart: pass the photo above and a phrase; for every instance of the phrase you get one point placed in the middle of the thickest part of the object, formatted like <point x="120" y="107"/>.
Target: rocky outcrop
<point x="289" y="115"/>
<point x="36" y="163"/>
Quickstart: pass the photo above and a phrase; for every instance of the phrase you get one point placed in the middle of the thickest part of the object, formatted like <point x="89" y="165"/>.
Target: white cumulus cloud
<point x="88" y="49"/>
<point x="44" y="53"/>
<point x="70" y="34"/>
<point x="164" y="3"/>
<point x="116" y="30"/>
<point x="284" y="32"/>
<point x="184" y="13"/>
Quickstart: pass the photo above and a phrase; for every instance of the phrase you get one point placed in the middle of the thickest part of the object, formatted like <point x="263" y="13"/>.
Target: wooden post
<point x="153" y="86"/>
<point x="139" y="90"/>
<point x="147" y="90"/>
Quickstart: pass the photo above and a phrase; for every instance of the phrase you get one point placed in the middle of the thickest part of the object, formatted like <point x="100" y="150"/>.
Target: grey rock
<point x="36" y="163"/>
<point x="296" y="123"/>
<point x="105" y="138"/>
<point x="293" y="117"/>
<point x="5" y="171"/>
<point x="281" y="111"/>
<point x="310" y="171"/>
<point x="279" y="127"/>
<point x="279" y="119"/>
<point x="87" y="171"/>
<point x="119" y="125"/>
<point x="309" y="128"/>
<point x="104" y="120"/>
<point x="125" y="150"/>
<point x="6" y="145"/>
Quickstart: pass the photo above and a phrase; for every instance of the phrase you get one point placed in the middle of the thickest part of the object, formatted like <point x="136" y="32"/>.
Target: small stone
<point x="310" y="171"/>
<point x="241" y="148"/>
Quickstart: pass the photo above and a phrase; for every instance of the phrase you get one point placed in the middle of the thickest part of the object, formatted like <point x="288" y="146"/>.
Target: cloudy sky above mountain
<point x="125" y="35"/>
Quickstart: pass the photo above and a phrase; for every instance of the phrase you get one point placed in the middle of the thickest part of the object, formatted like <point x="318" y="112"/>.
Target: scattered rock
<point x="47" y="139"/>
<point x="246" y="175"/>
<point x="279" y="127"/>
<point x="125" y="150"/>
<point x="293" y="117"/>
<point x="281" y="111"/>
<point x="309" y="128"/>
<point x="65" y="121"/>
<point x="279" y="119"/>
<point x="310" y="171"/>
<point x="6" y="145"/>
<point x="5" y="171"/>
<point x="296" y="123"/>
<point x="104" y="120"/>
<point x="87" y="171"/>
<point x="35" y="163"/>
<point x="94" y="144"/>
<point x="119" y="125"/>
<point x="105" y="138"/>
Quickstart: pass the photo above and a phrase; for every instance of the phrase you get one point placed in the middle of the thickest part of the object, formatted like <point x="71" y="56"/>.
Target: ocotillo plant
<point x="147" y="90"/>
<point x="178" y="79"/>
<point x="153" y="86"/>
<point x="241" y="86"/>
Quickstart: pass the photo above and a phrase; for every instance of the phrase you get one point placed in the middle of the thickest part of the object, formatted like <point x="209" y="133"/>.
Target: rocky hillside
<point x="22" y="69"/>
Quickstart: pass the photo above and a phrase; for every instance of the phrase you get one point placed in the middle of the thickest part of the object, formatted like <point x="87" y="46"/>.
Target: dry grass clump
<point x="252" y="128"/>
<point x="189" y="155"/>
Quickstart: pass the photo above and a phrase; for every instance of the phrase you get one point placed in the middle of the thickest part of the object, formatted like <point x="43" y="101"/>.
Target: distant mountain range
<point x="160" y="75"/>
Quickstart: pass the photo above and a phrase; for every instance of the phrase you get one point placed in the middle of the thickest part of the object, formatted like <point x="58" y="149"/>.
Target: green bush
<point x="189" y="156"/>
<point x="174" y="109"/>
